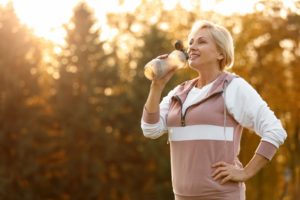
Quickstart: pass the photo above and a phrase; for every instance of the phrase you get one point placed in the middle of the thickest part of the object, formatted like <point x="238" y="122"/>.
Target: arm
<point x="249" y="109"/>
<point x="227" y="172"/>
<point x="153" y="100"/>
<point x="153" y="119"/>
<point x="254" y="166"/>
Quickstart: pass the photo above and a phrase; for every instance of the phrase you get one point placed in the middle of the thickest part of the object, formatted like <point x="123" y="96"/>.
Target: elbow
<point x="281" y="137"/>
<point x="150" y="134"/>
<point x="284" y="136"/>
<point x="151" y="131"/>
<point x="276" y="137"/>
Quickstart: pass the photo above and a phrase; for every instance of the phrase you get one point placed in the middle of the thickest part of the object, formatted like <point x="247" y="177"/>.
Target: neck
<point x="207" y="76"/>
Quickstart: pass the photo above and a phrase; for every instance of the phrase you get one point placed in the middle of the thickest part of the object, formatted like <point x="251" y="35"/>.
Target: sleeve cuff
<point x="150" y="118"/>
<point x="266" y="149"/>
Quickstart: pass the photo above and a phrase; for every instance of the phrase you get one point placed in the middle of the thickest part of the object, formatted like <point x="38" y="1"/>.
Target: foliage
<point x="75" y="133"/>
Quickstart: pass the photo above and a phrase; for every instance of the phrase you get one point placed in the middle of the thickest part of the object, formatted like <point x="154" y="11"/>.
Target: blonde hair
<point x="223" y="40"/>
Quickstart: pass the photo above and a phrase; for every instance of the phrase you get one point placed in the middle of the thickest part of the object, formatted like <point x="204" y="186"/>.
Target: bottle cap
<point x="179" y="46"/>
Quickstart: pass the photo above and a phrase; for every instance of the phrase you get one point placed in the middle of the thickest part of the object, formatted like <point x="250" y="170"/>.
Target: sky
<point x="46" y="17"/>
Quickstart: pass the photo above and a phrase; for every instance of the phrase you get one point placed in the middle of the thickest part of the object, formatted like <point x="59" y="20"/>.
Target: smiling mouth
<point x="193" y="56"/>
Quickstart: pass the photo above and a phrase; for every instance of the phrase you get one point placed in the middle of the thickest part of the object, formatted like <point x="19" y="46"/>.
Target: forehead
<point x="200" y="33"/>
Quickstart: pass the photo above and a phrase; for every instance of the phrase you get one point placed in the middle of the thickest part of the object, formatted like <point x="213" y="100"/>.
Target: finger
<point x="169" y="74"/>
<point x="226" y="179"/>
<point x="164" y="56"/>
<point x="172" y="71"/>
<point x="165" y="78"/>
<point x="220" y="164"/>
<point x="218" y="170"/>
<point x="221" y="174"/>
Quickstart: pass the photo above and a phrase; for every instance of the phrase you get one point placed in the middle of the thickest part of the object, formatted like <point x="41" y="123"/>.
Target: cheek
<point x="206" y="48"/>
<point x="209" y="52"/>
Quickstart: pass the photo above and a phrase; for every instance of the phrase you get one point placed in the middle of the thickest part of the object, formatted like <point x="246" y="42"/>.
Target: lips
<point x="193" y="56"/>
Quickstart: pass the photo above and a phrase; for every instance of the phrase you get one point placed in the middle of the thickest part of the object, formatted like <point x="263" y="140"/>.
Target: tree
<point x="81" y="100"/>
<point x="21" y="106"/>
<point x="267" y="57"/>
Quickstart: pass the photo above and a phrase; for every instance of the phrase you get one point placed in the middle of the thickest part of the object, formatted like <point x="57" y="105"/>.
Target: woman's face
<point x="203" y="52"/>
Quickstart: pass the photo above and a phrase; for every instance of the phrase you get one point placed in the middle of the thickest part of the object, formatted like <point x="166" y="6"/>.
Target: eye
<point x="191" y="41"/>
<point x="201" y="41"/>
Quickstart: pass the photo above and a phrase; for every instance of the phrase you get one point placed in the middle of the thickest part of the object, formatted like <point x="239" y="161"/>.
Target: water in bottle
<point x="157" y="68"/>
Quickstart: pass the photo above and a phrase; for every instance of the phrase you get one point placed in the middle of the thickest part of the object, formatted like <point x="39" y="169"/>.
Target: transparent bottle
<point x="157" y="68"/>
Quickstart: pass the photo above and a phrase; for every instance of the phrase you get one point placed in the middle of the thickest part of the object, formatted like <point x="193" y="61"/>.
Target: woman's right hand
<point x="157" y="86"/>
<point x="161" y="82"/>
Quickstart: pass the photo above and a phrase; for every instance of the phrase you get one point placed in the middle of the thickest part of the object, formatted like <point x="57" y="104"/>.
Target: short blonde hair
<point x="223" y="40"/>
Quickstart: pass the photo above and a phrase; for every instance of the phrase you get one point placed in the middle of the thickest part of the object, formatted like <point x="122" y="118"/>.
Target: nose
<point x="191" y="47"/>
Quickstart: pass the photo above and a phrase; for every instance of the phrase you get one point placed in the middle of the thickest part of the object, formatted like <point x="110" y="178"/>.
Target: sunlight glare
<point x="44" y="17"/>
<point x="47" y="17"/>
<point x="229" y="7"/>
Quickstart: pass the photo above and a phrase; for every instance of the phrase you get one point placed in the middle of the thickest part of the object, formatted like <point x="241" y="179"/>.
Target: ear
<point x="220" y="56"/>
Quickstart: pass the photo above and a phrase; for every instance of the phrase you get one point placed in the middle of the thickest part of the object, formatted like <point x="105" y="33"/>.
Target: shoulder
<point x="241" y="90"/>
<point x="240" y="84"/>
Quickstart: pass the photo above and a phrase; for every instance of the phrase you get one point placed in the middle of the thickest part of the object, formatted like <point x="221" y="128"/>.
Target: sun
<point x="43" y="17"/>
<point x="47" y="17"/>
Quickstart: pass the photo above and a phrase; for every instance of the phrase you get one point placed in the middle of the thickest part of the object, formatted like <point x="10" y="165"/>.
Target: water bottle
<point x="157" y="68"/>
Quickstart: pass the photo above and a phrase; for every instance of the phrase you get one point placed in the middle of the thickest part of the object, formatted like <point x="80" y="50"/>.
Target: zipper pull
<point x="182" y="122"/>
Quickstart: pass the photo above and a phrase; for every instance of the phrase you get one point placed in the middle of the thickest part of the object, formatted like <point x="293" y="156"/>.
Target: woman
<point x="204" y="119"/>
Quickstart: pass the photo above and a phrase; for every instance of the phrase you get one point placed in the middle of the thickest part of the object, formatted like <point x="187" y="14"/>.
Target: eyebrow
<point x="201" y="37"/>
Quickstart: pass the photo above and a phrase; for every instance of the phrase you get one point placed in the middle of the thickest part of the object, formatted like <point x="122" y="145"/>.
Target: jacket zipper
<point x="182" y="121"/>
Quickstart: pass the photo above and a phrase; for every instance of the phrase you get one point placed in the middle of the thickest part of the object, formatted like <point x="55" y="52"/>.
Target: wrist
<point x="157" y="87"/>
<point x="247" y="173"/>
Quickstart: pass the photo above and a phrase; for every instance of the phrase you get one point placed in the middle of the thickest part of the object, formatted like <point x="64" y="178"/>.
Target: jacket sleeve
<point x="154" y="124"/>
<point x="251" y="111"/>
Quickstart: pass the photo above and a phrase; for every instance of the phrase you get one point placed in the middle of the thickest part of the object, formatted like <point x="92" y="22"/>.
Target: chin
<point x="193" y="65"/>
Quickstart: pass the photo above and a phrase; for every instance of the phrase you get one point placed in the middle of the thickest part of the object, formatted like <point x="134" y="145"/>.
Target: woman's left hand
<point x="228" y="172"/>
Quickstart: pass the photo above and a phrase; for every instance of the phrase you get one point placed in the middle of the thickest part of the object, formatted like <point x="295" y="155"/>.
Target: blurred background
<point x="72" y="91"/>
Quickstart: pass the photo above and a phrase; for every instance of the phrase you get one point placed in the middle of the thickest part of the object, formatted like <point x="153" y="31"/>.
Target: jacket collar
<point x="222" y="81"/>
